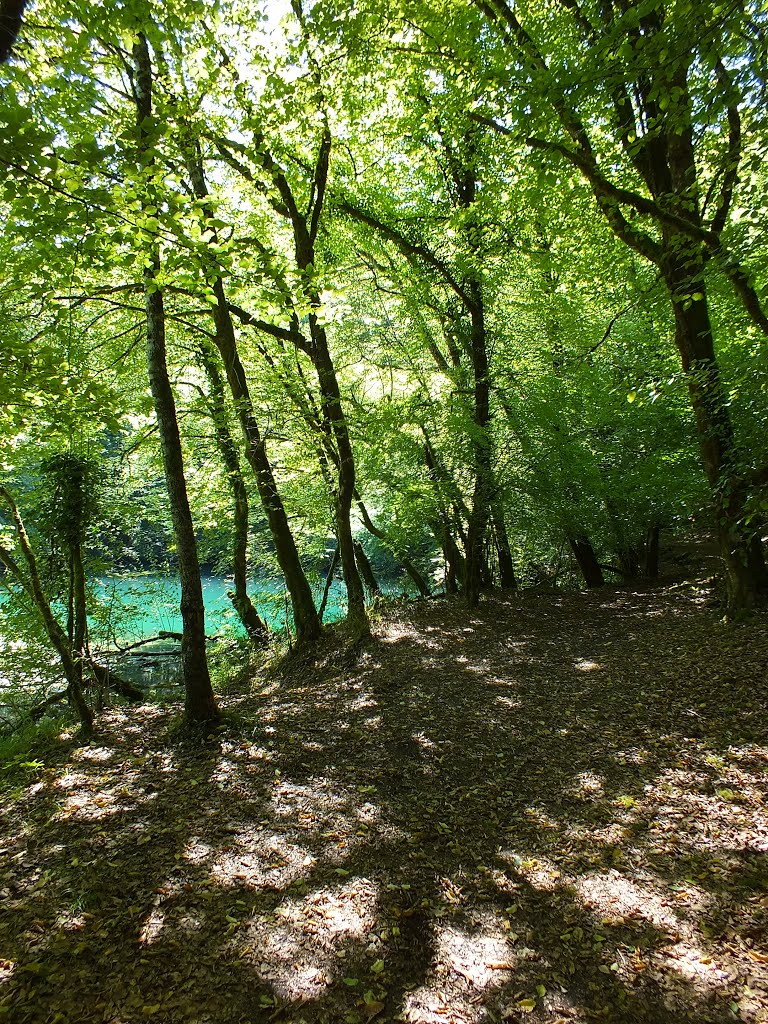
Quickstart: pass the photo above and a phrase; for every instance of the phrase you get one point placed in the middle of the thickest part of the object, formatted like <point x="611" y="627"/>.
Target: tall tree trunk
<point x="200" y="704"/>
<point x="628" y="558"/>
<point x="455" y="563"/>
<point x="80" y="633"/>
<point x="334" y="415"/>
<point x="253" y="624"/>
<point x="481" y="445"/>
<point x="11" y="12"/>
<point x="305" y="617"/>
<point x="651" y="559"/>
<point x="329" y="581"/>
<point x="742" y="555"/>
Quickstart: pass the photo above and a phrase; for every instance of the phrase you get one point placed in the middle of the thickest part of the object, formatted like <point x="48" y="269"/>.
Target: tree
<point x="200" y="704"/>
<point x="670" y="192"/>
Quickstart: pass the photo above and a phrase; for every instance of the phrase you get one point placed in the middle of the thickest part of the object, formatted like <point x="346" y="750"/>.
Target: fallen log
<point x="111" y="680"/>
<point x="97" y="674"/>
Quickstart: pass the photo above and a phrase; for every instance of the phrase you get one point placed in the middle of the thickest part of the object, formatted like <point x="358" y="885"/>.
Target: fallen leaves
<point x="359" y="851"/>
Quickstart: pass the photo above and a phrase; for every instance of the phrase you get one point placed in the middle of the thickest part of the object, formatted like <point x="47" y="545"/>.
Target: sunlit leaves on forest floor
<point x="549" y="810"/>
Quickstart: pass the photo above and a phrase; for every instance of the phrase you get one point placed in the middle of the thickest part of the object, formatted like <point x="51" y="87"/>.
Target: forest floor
<point x="551" y="809"/>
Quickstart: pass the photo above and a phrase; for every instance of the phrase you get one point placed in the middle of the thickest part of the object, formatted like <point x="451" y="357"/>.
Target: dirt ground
<point x="551" y="809"/>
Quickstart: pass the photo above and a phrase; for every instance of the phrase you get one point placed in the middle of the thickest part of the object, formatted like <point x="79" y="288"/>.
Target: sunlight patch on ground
<point x="226" y="772"/>
<point x="587" y="785"/>
<point x="365" y="700"/>
<point x="540" y="872"/>
<point x="196" y="851"/>
<point x="467" y="963"/>
<point x="152" y="927"/>
<point x="476" y="957"/>
<point x="7" y="968"/>
<point x="89" y="806"/>
<point x="395" y="632"/>
<point x="71" y="779"/>
<point x="261" y="860"/>
<point x="290" y="798"/>
<point x="587" y="665"/>
<point x="299" y="951"/>
<point x="705" y="812"/>
<point x="98" y="755"/>
<point x="613" y="896"/>
<point x="508" y="702"/>
<point x="502" y="681"/>
<point x="681" y="966"/>
<point x="633" y="755"/>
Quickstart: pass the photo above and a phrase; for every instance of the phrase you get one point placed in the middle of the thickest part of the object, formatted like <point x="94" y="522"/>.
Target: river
<point x="142" y="606"/>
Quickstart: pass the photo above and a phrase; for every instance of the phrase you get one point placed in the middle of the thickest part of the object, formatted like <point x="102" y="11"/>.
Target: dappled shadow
<point x="549" y="809"/>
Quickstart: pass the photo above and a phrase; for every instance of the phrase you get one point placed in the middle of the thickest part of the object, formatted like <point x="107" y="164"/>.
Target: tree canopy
<point x="477" y="284"/>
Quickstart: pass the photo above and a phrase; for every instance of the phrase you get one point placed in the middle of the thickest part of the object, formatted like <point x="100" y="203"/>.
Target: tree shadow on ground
<point x="532" y="812"/>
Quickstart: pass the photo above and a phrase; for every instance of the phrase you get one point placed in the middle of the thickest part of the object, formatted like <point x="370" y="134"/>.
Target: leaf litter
<point x="549" y="809"/>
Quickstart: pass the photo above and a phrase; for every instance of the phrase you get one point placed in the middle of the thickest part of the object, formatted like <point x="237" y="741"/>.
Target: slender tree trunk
<point x="305" y="617"/>
<point x="366" y="570"/>
<point x="58" y="638"/>
<point x="455" y="563"/>
<point x="483" y="469"/>
<point x="253" y="624"/>
<point x="629" y="562"/>
<point x="507" y="577"/>
<point x="329" y="581"/>
<point x="200" y="704"/>
<point x="79" y="602"/>
<point x="586" y="559"/>
<point x="334" y="414"/>
<point x="651" y="560"/>
<point x="80" y="635"/>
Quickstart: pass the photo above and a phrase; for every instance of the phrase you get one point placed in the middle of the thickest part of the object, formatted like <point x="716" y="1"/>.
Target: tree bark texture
<point x="740" y="551"/>
<point x="481" y="445"/>
<point x="651" y="556"/>
<point x="366" y="570"/>
<point x="306" y="620"/>
<point x="253" y="624"/>
<point x="200" y="704"/>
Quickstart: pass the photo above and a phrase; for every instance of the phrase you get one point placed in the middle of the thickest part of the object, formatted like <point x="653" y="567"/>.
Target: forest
<point x="383" y="497"/>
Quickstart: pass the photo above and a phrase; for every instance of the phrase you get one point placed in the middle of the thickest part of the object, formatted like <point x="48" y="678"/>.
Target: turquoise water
<point x="138" y="607"/>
